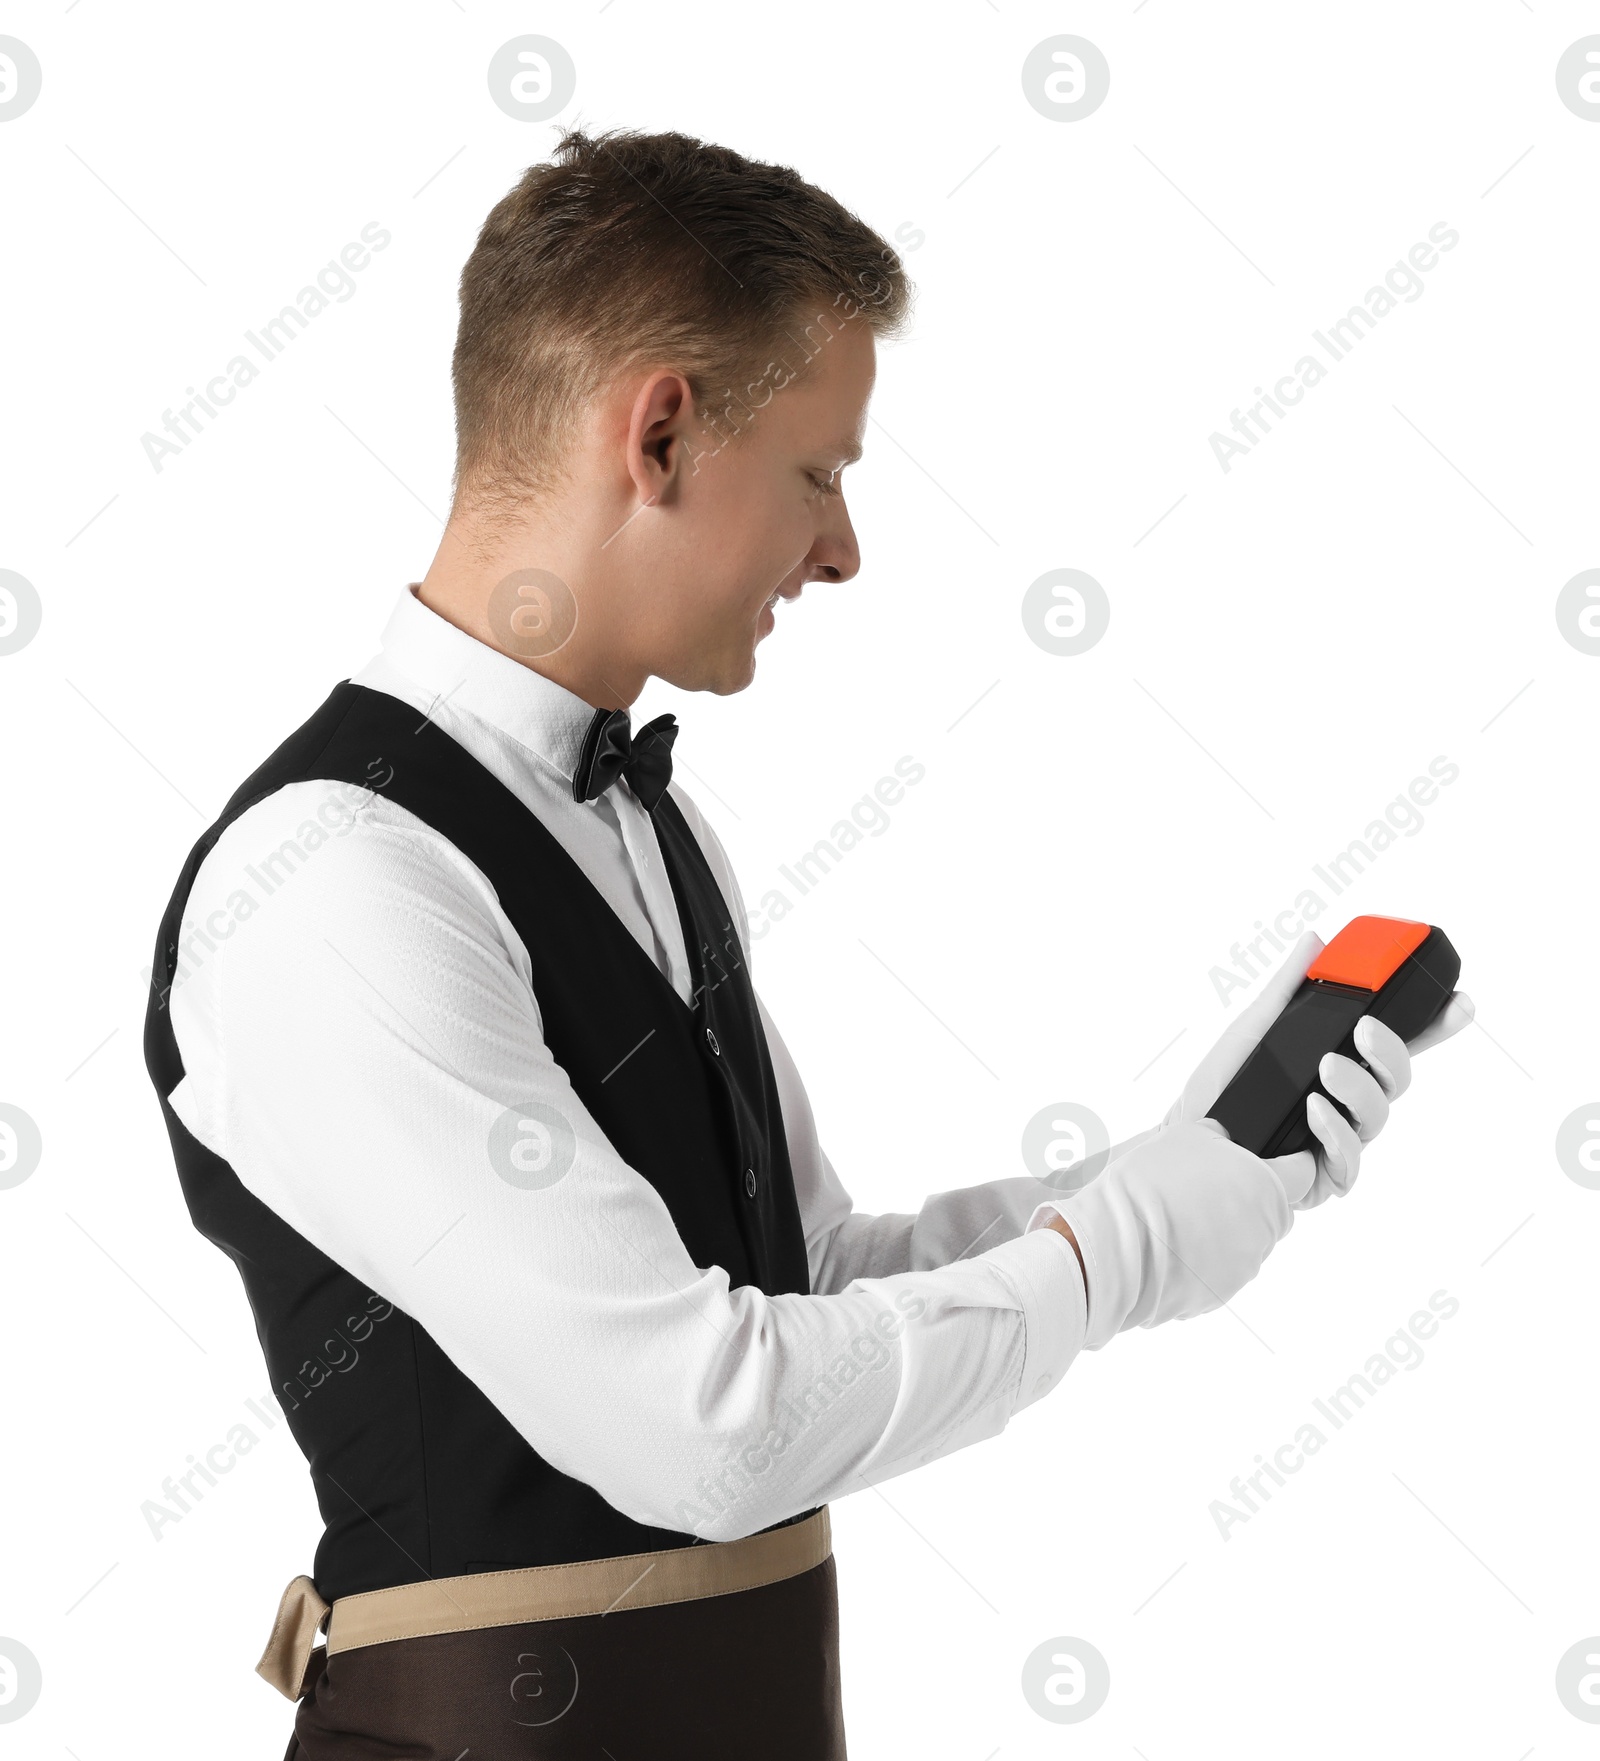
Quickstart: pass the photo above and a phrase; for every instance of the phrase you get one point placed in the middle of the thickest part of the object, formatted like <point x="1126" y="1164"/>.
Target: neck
<point x="556" y="618"/>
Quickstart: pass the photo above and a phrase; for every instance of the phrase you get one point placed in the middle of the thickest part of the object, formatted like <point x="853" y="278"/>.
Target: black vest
<point x="416" y="1473"/>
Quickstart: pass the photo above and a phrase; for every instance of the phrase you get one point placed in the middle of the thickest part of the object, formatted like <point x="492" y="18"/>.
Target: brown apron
<point x="729" y="1649"/>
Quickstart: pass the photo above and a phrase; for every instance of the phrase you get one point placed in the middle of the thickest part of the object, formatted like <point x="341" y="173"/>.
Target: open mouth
<point x="790" y="587"/>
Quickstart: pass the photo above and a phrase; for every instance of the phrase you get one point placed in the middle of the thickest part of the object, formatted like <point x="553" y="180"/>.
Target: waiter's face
<point x="760" y="513"/>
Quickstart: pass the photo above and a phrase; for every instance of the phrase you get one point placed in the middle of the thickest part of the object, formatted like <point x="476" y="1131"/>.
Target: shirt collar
<point x="540" y="715"/>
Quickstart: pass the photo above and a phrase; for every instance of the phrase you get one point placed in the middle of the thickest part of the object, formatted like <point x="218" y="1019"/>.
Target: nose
<point x="835" y="556"/>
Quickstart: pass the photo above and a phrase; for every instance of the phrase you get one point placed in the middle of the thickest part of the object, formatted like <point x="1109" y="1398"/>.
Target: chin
<point x="722" y="675"/>
<point x="738" y="675"/>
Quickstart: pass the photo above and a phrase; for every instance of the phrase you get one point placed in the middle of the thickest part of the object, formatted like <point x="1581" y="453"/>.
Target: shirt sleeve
<point x="350" y="1044"/>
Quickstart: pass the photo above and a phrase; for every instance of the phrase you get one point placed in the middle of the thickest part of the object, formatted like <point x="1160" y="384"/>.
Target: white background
<point x="1289" y="647"/>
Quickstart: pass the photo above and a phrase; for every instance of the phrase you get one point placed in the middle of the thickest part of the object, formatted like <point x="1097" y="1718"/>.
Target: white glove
<point x="1313" y="1176"/>
<point x="1174" y="1227"/>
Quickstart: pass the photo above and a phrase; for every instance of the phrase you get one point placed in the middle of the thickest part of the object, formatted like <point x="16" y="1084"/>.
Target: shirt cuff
<point x="1042" y="1268"/>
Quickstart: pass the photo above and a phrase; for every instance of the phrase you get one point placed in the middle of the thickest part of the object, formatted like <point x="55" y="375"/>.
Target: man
<point x="457" y="1045"/>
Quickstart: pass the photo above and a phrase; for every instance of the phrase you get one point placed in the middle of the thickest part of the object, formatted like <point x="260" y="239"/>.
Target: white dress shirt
<point x="354" y="1012"/>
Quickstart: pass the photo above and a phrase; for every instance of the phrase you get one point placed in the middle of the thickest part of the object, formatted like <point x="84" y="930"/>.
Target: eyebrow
<point x="849" y="452"/>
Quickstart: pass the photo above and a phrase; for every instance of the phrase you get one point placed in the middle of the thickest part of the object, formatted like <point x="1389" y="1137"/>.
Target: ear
<point x="659" y="432"/>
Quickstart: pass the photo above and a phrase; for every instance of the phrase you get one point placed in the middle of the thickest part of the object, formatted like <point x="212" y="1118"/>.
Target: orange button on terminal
<point x="1368" y="951"/>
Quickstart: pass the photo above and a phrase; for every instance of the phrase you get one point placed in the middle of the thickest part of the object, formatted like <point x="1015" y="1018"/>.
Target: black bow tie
<point x="610" y="751"/>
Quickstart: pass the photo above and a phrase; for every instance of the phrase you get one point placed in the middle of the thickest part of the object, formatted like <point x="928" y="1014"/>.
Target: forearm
<point x="730" y="1411"/>
<point x="949" y="1227"/>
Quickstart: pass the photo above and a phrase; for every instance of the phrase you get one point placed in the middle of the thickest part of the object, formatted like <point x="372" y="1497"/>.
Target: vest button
<point x="750" y="1182"/>
<point x="711" y="1040"/>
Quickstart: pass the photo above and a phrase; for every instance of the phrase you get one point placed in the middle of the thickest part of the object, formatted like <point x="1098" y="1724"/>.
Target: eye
<point x="824" y="482"/>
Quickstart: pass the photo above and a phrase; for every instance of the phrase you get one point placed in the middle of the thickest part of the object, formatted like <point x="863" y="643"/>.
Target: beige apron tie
<point x="533" y="1593"/>
<point x="301" y="1616"/>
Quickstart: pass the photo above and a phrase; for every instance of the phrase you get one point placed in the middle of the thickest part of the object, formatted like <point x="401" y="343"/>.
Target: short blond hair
<point x="646" y="248"/>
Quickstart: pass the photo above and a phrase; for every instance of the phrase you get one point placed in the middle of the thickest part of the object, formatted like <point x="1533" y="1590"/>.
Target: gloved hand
<point x="1313" y="1176"/>
<point x="1174" y="1227"/>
